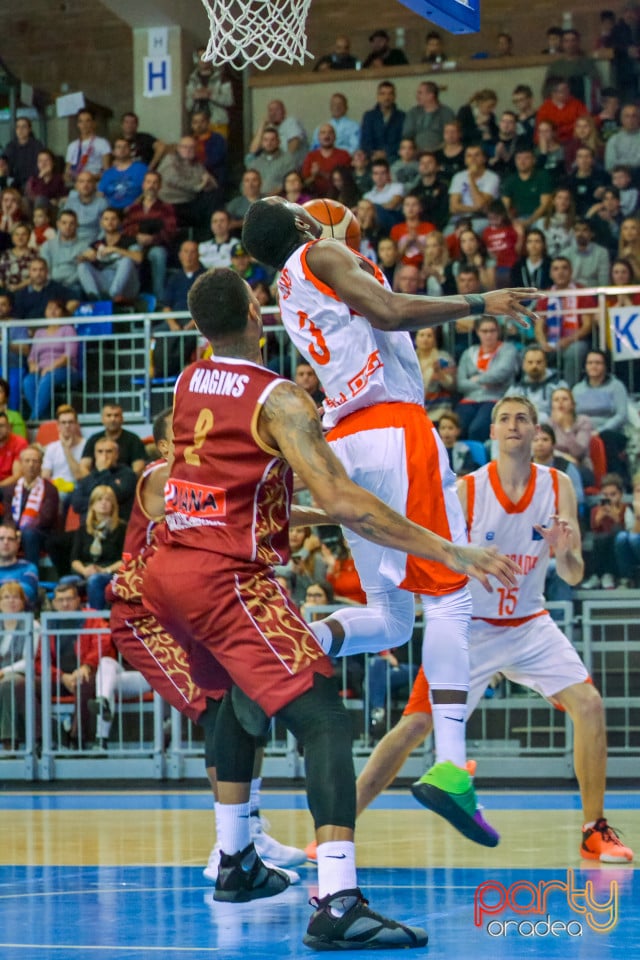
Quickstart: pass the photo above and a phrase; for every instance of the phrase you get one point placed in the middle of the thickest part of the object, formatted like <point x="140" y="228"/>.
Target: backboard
<point x="456" y="16"/>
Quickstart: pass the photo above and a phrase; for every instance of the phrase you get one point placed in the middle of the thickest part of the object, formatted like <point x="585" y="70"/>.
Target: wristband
<point x="476" y="304"/>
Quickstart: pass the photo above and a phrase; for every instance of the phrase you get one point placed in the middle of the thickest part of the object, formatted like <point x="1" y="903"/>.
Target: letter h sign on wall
<point x="157" y="65"/>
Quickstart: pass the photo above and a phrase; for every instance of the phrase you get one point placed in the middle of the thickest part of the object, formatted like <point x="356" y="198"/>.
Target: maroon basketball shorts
<point x="227" y="613"/>
<point x="147" y="647"/>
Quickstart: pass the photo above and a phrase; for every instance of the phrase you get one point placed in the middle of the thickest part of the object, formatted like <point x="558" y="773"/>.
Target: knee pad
<point x="251" y="716"/>
<point x="445" y="647"/>
<point x="207" y="720"/>
<point x="317" y="713"/>
<point x="234" y="747"/>
<point x="321" y="723"/>
<point x="386" y="621"/>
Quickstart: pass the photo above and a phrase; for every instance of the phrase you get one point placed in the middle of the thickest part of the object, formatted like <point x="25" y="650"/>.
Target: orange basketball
<point x="337" y="221"/>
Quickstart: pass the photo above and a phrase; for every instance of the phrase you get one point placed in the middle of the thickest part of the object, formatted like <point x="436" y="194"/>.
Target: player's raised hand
<point x="483" y="562"/>
<point x="509" y="303"/>
<point x="560" y="535"/>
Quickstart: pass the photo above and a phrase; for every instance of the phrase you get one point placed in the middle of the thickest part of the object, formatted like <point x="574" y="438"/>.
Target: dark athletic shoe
<point x="243" y="877"/>
<point x="357" y="929"/>
<point x="448" y="790"/>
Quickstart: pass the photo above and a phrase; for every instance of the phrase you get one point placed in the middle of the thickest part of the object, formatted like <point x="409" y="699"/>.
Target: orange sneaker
<point x="601" y="842"/>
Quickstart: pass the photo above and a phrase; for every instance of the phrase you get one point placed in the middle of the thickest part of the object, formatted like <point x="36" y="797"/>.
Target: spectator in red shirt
<point x="11" y="445"/>
<point x="565" y="332"/>
<point x="342" y="574"/>
<point x="318" y="164"/>
<point x="153" y="225"/>
<point x="606" y="520"/>
<point x="562" y="110"/>
<point x="502" y="241"/>
<point x="46" y="185"/>
<point x="410" y="234"/>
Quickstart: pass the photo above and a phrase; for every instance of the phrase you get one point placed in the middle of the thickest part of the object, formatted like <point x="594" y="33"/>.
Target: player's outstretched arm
<point x="340" y="269"/>
<point x="289" y="421"/>
<point x="563" y="536"/>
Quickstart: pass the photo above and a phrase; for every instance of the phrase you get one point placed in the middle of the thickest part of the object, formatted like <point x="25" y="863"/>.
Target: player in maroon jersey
<point x="155" y="654"/>
<point x="238" y="431"/>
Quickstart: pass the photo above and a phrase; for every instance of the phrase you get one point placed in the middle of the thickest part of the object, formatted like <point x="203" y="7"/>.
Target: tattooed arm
<point x="289" y="422"/>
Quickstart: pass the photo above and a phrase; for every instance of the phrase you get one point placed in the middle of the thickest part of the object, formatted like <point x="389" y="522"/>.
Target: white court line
<point x="122" y="887"/>
<point x="94" y="948"/>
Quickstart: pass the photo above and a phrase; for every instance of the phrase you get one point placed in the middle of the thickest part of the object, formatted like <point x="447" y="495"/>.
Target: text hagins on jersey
<point x="223" y="383"/>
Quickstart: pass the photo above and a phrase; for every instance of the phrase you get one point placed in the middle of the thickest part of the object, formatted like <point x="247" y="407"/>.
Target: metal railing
<point x="68" y="731"/>
<point x="611" y="637"/>
<point x="121" y="357"/>
<point x="126" y="358"/>
<point x="513" y="733"/>
<point x="19" y="760"/>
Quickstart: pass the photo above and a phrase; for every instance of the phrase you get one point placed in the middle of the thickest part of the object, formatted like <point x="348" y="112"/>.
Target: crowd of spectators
<point x="63" y="511"/>
<point x="450" y="198"/>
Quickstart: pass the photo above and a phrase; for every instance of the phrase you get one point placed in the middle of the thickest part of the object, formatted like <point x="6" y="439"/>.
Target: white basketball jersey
<point x="495" y="521"/>
<point x="357" y="365"/>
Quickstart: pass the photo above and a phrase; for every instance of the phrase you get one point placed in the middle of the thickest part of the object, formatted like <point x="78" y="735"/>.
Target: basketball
<point x="337" y="221"/>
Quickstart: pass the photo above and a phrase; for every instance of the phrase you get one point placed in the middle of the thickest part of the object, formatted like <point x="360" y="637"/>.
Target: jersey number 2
<point x="204" y="424"/>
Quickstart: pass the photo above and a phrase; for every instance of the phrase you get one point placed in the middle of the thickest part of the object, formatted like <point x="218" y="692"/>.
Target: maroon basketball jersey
<point x="228" y="492"/>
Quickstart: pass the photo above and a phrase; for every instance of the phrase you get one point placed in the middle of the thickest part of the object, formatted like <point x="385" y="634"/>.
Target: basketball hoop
<point x="257" y="31"/>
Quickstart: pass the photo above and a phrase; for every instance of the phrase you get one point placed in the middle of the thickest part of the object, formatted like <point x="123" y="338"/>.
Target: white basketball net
<point x="257" y="31"/>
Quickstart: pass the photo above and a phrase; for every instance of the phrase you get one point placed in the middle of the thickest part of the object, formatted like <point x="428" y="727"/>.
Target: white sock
<point x="449" y="728"/>
<point x="336" y="867"/>
<point x="254" y="796"/>
<point x="232" y="826"/>
<point x="322" y="633"/>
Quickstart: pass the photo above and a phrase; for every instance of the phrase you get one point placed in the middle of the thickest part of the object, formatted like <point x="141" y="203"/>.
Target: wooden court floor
<point x="118" y="876"/>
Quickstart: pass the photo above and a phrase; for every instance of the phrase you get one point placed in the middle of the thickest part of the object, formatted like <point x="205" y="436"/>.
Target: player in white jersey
<point x="339" y="312"/>
<point x="526" y="510"/>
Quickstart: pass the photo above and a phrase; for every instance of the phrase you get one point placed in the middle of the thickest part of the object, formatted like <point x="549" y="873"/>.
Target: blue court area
<point x="134" y="913"/>
<point x="140" y="910"/>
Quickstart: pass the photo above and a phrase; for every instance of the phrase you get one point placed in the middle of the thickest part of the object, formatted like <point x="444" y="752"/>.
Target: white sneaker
<point x="210" y="872"/>
<point x="608" y="582"/>
<point x="211" y="869"/>
<point x="270" y="850"/>
<point x="593" y="583"/>
<point x="625" y="583"/>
